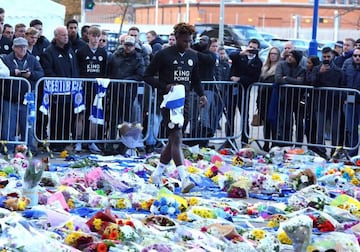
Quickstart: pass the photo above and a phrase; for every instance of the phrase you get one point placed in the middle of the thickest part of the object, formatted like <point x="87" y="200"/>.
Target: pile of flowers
<point x="165" y="206"/>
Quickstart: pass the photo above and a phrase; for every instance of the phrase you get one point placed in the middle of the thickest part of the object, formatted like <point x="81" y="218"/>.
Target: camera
<point x="252" y="51"/>
<point x="326" y="62"/>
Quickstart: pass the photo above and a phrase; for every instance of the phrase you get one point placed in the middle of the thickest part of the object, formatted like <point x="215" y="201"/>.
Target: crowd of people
<point x="27" y="53"/>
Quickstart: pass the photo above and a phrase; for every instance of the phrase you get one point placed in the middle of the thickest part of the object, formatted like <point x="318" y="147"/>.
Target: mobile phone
<point x="253" y="51"/>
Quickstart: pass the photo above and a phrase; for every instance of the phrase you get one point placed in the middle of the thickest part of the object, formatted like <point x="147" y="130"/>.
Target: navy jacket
<point x="18" y="90"/>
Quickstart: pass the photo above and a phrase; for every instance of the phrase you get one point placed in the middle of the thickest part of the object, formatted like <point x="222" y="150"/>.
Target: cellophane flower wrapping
<point x="338" y="241"/>
<point x="299" y="230"/>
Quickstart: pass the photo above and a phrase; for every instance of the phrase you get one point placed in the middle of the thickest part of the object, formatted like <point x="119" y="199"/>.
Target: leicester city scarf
<point x="97" y="109"/>
<point x="63" y="87"/>
<point x="174" y="101"/>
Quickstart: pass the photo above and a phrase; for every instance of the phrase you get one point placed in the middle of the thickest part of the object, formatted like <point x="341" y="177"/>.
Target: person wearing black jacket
<point x="175" y="65"/>
<point x="327" y="74"/>
<point x="290" y="71"/>
<point x="59" y="60"/>
<point x="92" y="64"/>
<point x="125" y="64"/>
<point x="20" y="64"/>
<point x="245" y="70"/>
<point x="74" y="39"/>
<point x="42" y="42"/>
<point x="207" y="61"/>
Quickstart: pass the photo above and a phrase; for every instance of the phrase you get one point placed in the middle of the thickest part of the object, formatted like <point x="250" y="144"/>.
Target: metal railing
<point x="304" y="115"/>
<point x="84" y="110"/>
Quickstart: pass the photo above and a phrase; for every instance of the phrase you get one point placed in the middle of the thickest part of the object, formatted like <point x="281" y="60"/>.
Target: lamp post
<point x="313" y="43"/>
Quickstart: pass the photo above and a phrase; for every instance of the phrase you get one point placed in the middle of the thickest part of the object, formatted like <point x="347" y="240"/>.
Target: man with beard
<point x="74" y="38"/>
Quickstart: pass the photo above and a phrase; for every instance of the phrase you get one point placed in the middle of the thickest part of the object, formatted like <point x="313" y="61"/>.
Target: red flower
<point x="113" y="235"/>
<point x="129" y="223"/>
<point x="326" y="226"/>
<point x="203" y="229"/>
<point x="102" y="247"/>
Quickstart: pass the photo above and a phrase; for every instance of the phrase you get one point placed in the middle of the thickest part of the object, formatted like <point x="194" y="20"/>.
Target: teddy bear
<point x="16" y="203"/>
<point x="303" y="179"/>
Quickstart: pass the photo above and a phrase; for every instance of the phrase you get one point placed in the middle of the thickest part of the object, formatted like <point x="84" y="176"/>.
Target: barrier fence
<point x="14" y="123"/>
<point x="219" y="120"/>
<point x="86" y="111"/>
<point x="321" y="117"/>
<point x="89" y="111"/>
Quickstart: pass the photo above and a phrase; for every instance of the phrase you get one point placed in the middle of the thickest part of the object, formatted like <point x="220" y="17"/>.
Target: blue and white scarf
<point x="63" y="87"/>
<point x="97" y="110"/>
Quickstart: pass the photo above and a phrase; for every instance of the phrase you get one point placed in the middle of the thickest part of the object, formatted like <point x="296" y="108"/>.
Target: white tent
<point x="50" y="13"/>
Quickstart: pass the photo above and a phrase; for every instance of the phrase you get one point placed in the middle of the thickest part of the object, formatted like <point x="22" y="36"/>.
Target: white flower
<point x="304" y="179"/>
<point x="171" y="210"/>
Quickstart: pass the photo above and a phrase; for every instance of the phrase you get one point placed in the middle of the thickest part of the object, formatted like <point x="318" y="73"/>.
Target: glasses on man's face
<point x="102" y="40"/>
<point x="356" y="55"/>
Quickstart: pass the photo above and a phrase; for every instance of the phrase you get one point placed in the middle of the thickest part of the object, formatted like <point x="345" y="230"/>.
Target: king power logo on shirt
<point x="62" y="86"/>
<point x="182" y="75"/>
<point x="93" y="68"/>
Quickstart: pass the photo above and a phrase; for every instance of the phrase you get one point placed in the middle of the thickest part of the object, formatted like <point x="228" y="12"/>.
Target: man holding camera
<point x="327" y="74"/>
<point x="245" y="70"/>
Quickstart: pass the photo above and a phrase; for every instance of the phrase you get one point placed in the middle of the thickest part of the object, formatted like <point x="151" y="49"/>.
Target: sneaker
<point x="78" y="147"/>
<point x="186" y="185"/>
<point x="94" y="149"/>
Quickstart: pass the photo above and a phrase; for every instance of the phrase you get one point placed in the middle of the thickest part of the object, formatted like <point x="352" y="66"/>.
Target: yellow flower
<point x="69" y="225"/>
<point x="276" y="176"/>
<point x="273" y="224"/>
<point x="355" y="181"/>
<point x="284" y="239"/>
<point x="193" y="201"/>
<point x="97" y="223"/>
<point x="208" y="173"/>
<point x="215" y="178"/>
<point x="259" y="234"/>
<point x="193" y="169"/>
<point x="70" y="203"/>
<point x="121" y="203"/>
<point x="64" y="154"/>
<point x="3" y="174"/>
<point x="183" y="217"/>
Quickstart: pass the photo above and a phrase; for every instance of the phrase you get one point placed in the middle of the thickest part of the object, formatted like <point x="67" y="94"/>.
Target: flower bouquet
<point x="165" y="206"/>
<point x="161" y="222"/>
<point x="299" y="230"/>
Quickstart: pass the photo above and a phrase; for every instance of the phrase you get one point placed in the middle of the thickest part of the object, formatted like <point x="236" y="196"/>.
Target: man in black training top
<point x="177" y="67"/>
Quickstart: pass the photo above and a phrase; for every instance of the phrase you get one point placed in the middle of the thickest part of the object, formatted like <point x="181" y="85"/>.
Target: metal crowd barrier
<point x="303" y="116"/>
<point x="14" y="122"/>
<point x="219" y="121"/>
<point x="84" y="110"/>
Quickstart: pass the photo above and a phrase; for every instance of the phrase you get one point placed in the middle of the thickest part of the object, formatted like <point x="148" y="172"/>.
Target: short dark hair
<point x="134" y="28"/>
<point x="71" y="21"/>
<point x="7" y="25"/>
<point x="84" y="28"/>
<point x="255" y="41"/>
<point x="184" y="28"/>
<point x="326" y="50"/>
<point x="35" y="22"/>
